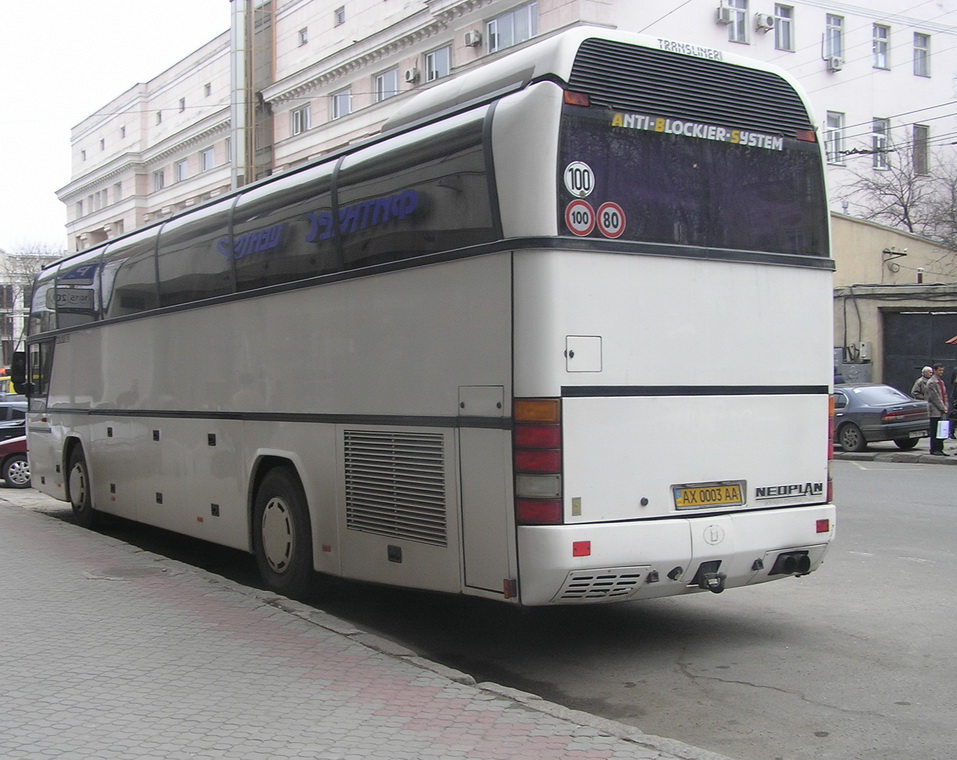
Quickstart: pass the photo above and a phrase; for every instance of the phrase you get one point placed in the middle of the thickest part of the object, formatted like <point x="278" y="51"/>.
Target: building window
<point x="180" y="170"/>
<point x="386" y="85"/>
<point x="159" y="180"/>
<point x="340" y="15"/>
<point x="783" y="27"/>
<point x="880" y="129"/>
<point x="438" y="63"/>
<point x="303" y="36"/>
<point x="834" y="138"/>
<point x="301" y="120"/>
<point x="207" y="89"/>
<point x="123" y="131"/>
<point x="79" y="208"/>
<point x="83" y="155"/>
<point x="921" y="149"/>
<point x="513" y="27"/>
<point x="182" y="105"/>
<point x="159" y="117"/>
<point x="921" y="54"/>
<point x="342" y="103"/>
<point x="834" y="37"/>
<point x="102" y="144"/>
<point x="738" y="27"/>
<point x="882" y="46"/>
<point x="207" y="159"/>
<point x="117" y="192"/>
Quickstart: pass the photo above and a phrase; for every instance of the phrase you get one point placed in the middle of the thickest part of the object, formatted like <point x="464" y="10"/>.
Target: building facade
<point x="291" y="80"/>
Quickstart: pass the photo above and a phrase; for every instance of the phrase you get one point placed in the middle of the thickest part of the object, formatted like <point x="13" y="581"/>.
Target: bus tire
<point x="79" y="489"/>
<point x="282" y="534"/>
<point x="851" y="437"/>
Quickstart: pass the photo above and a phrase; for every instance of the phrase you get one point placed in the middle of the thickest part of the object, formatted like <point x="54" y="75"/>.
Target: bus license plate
<point x="703" y="495"/>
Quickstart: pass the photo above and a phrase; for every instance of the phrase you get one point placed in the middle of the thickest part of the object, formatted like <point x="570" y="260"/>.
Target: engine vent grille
<point x="604" y="585"/>
<point x="664" y="83"/>
<point x="395" y="484"/>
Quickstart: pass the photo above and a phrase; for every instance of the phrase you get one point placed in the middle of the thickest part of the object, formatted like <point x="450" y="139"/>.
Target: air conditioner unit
<point x="473" y="39"/>
<point x="764" y="21"/>
<point x="835" y="63"/>
<point x="411" y="75"/>
<point x="724" y="15"/>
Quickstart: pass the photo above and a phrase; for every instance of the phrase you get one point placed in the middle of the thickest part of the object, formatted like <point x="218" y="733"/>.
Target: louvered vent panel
<point x="656" y="82"/>
<point x="395" y="485"/>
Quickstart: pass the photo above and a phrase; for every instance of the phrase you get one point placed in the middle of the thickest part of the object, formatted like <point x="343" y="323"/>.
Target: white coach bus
<point x="559" y="334"/>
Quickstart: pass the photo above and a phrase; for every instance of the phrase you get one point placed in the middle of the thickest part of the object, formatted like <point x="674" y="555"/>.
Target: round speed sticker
<point x="580" y="217"/>
<point x="579" y="179"/>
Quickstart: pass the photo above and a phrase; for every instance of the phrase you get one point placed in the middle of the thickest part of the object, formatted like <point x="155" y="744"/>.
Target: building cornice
<point x="408" y="32"/>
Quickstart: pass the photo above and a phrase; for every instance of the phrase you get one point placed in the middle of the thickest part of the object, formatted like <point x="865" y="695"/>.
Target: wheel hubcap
<point x="19" y="473"/>
<point x="78" y="486"/>
<point x="278" y="535"/>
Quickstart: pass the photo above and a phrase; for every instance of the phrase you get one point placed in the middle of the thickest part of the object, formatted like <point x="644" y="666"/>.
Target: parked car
<point x="866" y="412"/>
<point x="14" y="465"/>
<point x="13" y="419"/>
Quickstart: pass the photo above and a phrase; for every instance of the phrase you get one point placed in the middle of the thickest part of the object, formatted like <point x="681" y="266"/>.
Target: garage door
<point x="915" y="339"/>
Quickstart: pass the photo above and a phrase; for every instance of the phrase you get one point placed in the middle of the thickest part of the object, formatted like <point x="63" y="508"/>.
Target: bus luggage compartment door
<point x="486" y="487"/>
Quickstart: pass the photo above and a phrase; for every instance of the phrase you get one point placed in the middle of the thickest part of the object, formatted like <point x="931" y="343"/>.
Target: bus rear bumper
<point x="608" y="562"/>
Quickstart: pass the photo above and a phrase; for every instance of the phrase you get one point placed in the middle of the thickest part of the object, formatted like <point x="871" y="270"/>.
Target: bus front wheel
<point x="78" y="489"/>
<point x="282" y="536"/>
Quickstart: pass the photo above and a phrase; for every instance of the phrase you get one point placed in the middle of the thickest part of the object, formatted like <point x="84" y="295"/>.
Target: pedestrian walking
<point x="937" y="408"/>
<point x="919" y="388"/>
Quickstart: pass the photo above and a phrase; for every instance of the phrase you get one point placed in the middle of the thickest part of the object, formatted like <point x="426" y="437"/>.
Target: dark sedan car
<point x="866" y="412"/>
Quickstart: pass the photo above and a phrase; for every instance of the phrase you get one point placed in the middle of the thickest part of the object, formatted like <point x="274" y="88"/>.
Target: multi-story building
<point x="294" y="79"/>
<point x="312" y="75"/>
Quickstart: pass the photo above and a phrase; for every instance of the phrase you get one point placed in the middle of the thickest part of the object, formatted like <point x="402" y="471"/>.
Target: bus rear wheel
<point x="282" y="535"/>
<point x="78" y="489"/>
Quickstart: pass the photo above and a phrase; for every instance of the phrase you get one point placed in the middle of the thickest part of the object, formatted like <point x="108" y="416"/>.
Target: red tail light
<point x="830" y="427"/>
<point x="537" y="461"/>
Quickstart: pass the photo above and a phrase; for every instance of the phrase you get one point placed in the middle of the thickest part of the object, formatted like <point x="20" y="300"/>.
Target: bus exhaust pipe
<point x="792" y="563"/>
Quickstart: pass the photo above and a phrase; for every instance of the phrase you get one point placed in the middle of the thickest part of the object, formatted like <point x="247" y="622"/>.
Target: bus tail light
<point x="537" y="461"/>
<point x="576" y="99"/>
<point x="830" y="427"/>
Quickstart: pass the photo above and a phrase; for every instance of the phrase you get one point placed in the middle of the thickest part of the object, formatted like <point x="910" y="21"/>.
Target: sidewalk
<point x="110" y="652"/>
<point x="887" y="451"/>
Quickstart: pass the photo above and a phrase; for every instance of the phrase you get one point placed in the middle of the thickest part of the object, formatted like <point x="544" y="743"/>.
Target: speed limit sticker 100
<point x="580" y="217"/>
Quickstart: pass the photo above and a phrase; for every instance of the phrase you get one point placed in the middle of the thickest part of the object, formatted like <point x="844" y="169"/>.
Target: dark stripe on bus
<point x="613" y="391"/>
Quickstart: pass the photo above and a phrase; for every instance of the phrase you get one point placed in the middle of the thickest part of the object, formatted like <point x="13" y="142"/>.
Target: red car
<point x="14" y="467"/>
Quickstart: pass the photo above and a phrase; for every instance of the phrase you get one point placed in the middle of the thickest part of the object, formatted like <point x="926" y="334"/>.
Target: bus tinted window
<point x="282" y="231"/>
<point x="78" y="290"/>
<point x="129" y="275"/>
<point x="191" y="264"/>
<point x="696" y="184"/>
<point x="419" y="193"/>
<point x="42" y="305"/>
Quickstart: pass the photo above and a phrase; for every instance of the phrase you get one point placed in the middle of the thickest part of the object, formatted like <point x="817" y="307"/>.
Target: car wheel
<point x="79" y="489"/>
<point x="282" y="535"/>
<point x="906" y="444"/>
<point x="851" y="438"/>
<point x="16" y="471"/>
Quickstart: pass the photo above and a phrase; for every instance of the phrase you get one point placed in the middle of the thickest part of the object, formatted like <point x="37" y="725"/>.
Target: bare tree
<point x="896" y="194"/>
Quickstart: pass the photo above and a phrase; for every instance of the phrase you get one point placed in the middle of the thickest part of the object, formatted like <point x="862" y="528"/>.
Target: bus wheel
<point x="851" y="438"/>
<point x="78" y="489"/>
<point x="282" y="536"/>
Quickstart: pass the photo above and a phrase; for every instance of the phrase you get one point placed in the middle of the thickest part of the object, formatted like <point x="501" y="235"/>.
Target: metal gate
<point x="913" y="340"/>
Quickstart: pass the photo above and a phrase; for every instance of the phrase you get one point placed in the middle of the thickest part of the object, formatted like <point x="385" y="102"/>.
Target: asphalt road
<point x="854" y="661"/>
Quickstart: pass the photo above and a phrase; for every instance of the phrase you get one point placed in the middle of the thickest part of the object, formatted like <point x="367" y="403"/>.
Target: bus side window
<point x="39" y="362"/>
<point x="192" y="261"/>
<point x="78" y="290"/>
<point x="43" y="303"/>
<point x="129" y="275"/>
<point x="419" y="193"/>
<point x="282" y="232"/>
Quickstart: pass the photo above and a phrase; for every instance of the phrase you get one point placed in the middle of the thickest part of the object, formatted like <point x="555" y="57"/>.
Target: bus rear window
<point x="692" y="185"/>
